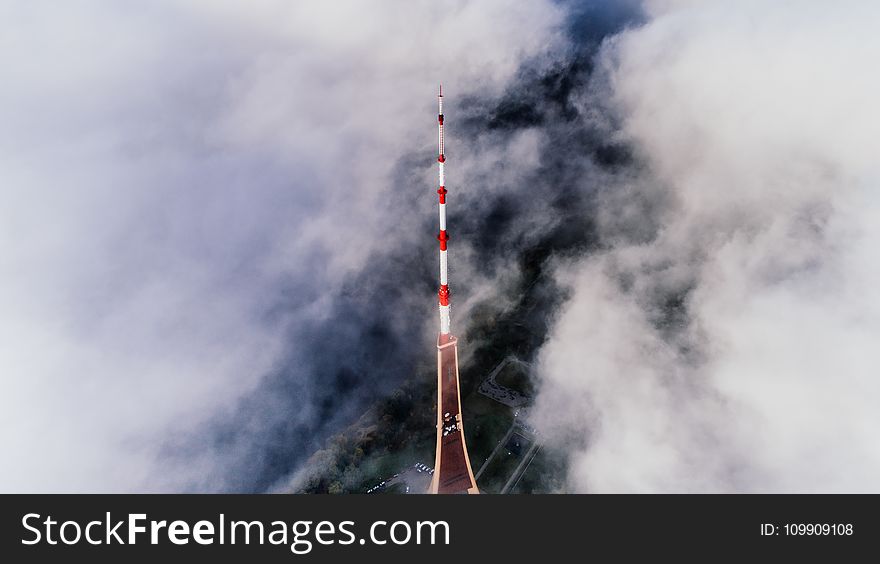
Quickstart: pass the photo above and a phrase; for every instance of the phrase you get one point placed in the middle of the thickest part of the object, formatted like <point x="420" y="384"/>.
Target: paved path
<point x="521" y="468"/>
<point x="497" y="448"/>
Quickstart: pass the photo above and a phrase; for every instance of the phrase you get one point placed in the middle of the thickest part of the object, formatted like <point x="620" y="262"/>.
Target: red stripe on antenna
<point x="443" y="294"/>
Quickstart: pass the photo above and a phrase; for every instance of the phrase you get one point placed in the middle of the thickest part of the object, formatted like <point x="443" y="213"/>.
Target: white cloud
<point x="167" y="171"/>
<point x="756" y="122"/>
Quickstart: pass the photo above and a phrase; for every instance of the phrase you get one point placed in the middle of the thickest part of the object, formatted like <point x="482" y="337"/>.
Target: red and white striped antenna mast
<point x="443" y="293"/>
<point x="452" y="466"/>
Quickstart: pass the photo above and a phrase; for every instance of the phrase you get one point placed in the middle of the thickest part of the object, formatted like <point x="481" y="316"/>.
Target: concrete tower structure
<point x="452" y="466"/>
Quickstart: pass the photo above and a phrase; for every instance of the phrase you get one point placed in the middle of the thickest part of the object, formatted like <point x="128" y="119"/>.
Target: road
<point x="521" y="468"/>
<point x="497" y="448"/>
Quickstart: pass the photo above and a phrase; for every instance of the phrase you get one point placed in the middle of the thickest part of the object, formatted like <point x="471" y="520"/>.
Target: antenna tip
<point x="441" y="89"/>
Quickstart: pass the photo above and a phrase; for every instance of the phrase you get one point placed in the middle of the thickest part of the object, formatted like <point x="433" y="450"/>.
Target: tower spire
<point x="443" y="237"/>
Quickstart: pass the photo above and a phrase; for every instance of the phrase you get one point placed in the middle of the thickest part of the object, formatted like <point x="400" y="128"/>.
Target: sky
<point x="217" y="243"/>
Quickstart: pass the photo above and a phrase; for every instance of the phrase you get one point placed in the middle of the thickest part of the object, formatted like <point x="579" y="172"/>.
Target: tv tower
<point x="452" y="466"/>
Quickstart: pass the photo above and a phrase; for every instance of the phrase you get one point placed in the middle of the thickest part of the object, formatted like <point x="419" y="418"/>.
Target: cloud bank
<point x="218" y="224"/>
<point x="198" y="199"/>
<point x="730" y="346"/>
